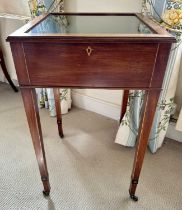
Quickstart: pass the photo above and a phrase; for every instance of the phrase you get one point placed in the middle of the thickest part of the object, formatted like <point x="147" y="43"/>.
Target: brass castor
<point x="61" y="135"/>
<point x="134" y="198"/>
<point x="46" y="193"/>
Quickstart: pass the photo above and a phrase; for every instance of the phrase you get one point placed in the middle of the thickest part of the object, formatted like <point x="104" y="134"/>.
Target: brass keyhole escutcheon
<point x="89" y="50"/>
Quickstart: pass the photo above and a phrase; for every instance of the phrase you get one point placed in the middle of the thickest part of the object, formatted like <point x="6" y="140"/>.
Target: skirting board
<point x="113" y="111"/>
<point x="95" y="105"/>
<point x="172" y="133"/>
<point x="3" y="79"/>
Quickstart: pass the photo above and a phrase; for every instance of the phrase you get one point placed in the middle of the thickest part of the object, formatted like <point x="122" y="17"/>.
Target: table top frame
<point x="160" y="34"/>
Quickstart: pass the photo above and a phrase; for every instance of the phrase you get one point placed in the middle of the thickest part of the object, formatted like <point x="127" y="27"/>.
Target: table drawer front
<point x="90" y="65"/>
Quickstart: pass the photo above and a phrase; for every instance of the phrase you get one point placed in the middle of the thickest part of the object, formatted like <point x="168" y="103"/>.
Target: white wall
<point x="178" y="97"/>
<point x="103" y="5"/>
<point x="105" y="102"/>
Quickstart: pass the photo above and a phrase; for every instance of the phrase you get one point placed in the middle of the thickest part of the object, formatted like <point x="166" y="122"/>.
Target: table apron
<point x="89" y="65"/>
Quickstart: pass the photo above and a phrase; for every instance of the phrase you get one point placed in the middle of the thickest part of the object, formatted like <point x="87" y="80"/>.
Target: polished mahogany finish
<point x="97" y="66"/>
<point x="58" y="111"/>
<point x="87" y="60"/>
<point x="32" y="112"/>
<point x="124" y="104"/>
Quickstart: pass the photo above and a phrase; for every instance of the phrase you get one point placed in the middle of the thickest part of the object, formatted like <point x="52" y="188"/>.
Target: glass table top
<point x="91" y="24"/>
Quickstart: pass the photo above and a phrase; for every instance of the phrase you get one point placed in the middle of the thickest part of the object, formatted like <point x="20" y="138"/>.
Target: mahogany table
<point x="91" y="50"/>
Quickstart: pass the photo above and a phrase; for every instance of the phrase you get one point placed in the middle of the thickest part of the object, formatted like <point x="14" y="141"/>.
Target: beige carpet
<point x="87" y="170"/>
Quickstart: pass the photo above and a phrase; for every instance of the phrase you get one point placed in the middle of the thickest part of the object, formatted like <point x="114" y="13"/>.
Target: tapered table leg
<point x="124" y="104"/>
<point x="6" y="74"/>
<point x="150" y="104"/>
<point x="32" y="112"/>
<point x="58" y="111"/>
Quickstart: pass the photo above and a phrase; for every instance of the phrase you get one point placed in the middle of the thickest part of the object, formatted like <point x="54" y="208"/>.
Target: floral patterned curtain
<point x="167" y="13"/>
<point x="45" y="95"/>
